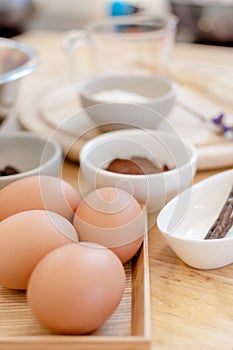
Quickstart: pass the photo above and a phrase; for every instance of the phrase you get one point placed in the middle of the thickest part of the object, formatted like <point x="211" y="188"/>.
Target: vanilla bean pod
<point x="224" y="221"/>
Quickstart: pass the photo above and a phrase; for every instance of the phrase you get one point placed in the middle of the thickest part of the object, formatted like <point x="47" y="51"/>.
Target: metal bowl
<point x="16" y="61"/>
<point x="209" y="21"/>
<point x="13" y="13"/>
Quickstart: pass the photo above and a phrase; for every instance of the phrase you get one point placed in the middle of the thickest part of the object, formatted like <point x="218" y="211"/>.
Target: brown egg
<point x="75" y="288"/>
<point x="25" y="238"/>
<point x="111" y="217"/>
<point x="39" y="192"/>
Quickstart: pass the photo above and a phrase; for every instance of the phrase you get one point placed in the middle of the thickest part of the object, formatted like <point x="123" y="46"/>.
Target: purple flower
<point x="218" y="120"/>
<point x="221" y="126"/>
<point x="226" y="128"/>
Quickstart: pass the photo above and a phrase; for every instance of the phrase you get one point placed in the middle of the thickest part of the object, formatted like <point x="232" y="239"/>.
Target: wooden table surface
<point x="191" y="309"/>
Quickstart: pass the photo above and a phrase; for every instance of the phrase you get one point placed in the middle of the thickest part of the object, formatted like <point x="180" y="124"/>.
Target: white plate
<point x="60" y="108"/>
<point x="71" y="131"/>
<point x="49" y="110"/>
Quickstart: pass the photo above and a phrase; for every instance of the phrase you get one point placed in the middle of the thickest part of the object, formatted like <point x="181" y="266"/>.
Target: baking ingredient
<point x="224" y="221"/>
<point x="135" y="166"/>
<point x="25" y="238"/>
<point x="117" y="95"/>
<point x="111" y="217"/>
<point x="75" y="288"/>
<point x="8" y="170"/>
<point x="39" y="192"/>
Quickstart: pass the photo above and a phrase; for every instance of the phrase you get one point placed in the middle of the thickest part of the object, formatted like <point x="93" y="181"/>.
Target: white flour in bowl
<point x="116" y="95"/>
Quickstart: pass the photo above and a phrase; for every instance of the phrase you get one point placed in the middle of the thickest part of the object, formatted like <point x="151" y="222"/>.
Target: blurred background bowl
<point x="30" y="154"/>
<point x="129" y="100"/>
<point x="16" y="61"/>
<point x="13" y="16"/>
<point x="209" y="21"/>
<point x="159" y="147"/>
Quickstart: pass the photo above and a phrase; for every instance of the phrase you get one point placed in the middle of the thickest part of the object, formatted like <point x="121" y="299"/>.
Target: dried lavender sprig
<point x="224" y="221"/>
<point x="219" y="119"/>
<point x="222" y="128"/>
<point x="217" y="122"/>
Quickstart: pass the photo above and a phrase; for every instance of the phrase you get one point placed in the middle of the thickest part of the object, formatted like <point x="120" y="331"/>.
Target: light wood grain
<point x="128" y="327"/>
<point x="191" y="309"/>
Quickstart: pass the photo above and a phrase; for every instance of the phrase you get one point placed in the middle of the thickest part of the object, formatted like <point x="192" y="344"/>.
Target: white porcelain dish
<point x="128" y="100"/>
<point x="186" y="219"/>
<point x="31" y="154"/>
<point x="161" y="148"/>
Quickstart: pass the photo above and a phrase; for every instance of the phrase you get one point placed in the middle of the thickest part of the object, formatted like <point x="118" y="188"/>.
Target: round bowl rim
<point x="171" y="93"/>
<point x="92" y="142"/>
<point x="170" y="19"/>
<point x="28" y="67"/>
<point x="31" y="136"/>
<point x="191" y="240"/>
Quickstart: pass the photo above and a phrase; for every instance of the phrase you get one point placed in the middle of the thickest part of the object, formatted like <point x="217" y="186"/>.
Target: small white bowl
<point x="118" y="107"/>
<point x="161" y="148"/>
<point x="186" y="219"/>
<point x="31" y="154"/>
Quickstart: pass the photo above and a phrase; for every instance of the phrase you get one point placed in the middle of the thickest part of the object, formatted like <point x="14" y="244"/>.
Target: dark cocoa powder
<point x="8" y="170"/>
<point x="135" y="166"/>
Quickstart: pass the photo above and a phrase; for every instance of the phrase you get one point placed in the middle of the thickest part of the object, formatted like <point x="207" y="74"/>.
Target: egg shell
<point x="25" y="238"/>
<point x="75" y="288"/>
<point x="111" y="217"/>
<point x="39" y="192"/>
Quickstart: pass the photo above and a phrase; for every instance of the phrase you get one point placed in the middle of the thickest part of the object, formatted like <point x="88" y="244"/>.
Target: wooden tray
<point x="128" y="328"/>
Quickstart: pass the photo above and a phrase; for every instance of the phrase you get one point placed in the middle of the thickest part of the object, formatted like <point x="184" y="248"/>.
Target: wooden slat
<point x="128" y="327"/>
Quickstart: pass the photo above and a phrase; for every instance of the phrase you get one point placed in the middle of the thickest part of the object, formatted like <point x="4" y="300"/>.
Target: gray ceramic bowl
<point x="31" y="154"/>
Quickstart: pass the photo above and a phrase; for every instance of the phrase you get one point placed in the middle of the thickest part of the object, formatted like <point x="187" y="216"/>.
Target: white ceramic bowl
<point x="31" y="154"/>
<point x="118" y="106"/>
<point x="186" y="219"/>
<point x="161" y="148"/>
